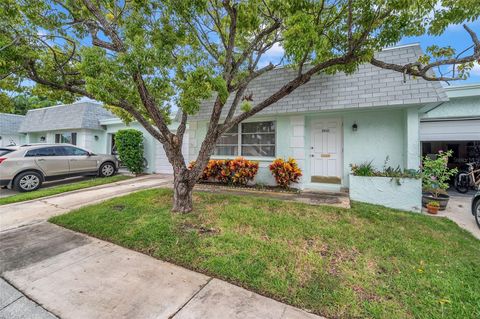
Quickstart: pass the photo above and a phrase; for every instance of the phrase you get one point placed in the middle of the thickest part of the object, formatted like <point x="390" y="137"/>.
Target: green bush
<point x="436" y="173"/>
<point x="129" y="144"/>
<point x="396" y="173"/>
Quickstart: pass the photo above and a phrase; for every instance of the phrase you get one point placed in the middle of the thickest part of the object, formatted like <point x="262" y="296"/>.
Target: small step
<point x="324" y="187"/>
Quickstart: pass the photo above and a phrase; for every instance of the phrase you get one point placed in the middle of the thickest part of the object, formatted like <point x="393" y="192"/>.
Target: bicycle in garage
<point x="469" y="179"/>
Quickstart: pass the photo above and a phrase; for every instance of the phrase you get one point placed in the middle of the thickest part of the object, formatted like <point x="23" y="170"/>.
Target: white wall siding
<point x="162" y="165"/>
<point x="297" y="141"/>
<point x="9" y="139"/>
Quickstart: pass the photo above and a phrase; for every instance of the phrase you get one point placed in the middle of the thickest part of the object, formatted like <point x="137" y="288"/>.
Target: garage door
<point x="162" y="165"/>
<point x="456" y="130"/>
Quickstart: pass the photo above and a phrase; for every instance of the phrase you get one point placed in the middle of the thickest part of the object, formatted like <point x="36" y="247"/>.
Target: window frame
<point x="239" y="144"/>
<point x="31" y="153"/>
<point x="60" y="135"/>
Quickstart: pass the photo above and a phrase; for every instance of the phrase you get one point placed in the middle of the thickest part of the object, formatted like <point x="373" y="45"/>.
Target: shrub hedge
<point x="238" y="171"/>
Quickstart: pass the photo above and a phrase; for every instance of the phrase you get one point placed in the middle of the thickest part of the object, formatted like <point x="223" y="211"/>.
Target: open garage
<point x="460" y="136"/>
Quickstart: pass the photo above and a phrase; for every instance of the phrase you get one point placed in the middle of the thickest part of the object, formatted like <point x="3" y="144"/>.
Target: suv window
<point x="45" y="151"/>
<point x="4" y="151"/>
<point x="73" y="151"/>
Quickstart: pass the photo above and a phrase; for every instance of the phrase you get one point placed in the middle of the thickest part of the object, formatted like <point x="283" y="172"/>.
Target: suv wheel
<point x="107" y="170"/>
<point x="27" y="181"/>
<point x="477" y="212"/>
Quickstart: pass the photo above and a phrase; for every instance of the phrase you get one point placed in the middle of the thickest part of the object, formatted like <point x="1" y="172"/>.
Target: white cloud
<point x="273" y="55"/>
<point x="476" y="70"/>
<point x="276" y="50"/>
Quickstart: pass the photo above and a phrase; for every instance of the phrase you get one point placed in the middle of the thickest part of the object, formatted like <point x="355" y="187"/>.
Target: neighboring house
<point x="333" y="121"/>
<point x="90" y="126"/>
<point x="9" y="129"/>
<point x="77" y="124"/>
<point x="326" y="125"/>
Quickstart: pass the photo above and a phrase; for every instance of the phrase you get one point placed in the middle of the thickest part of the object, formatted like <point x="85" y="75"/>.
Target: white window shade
<point x="249" y="139"/>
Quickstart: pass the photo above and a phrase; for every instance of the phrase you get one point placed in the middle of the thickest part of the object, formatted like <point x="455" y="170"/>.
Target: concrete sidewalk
<point x="38" y="210"/>
<point x="14" y="305"/>
<point x="76" y="276"/>
<point x="459" y="211"/>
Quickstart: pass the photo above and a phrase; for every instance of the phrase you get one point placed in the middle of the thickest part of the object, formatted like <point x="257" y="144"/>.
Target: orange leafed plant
<point x="238" y="171"/>
<point x="285" y="172"/>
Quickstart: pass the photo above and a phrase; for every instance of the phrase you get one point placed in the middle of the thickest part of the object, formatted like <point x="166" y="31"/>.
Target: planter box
<point x="386" y="191"/>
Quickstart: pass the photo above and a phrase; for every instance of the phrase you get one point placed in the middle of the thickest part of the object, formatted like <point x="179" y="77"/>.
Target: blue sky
<point x="455" y="36"/>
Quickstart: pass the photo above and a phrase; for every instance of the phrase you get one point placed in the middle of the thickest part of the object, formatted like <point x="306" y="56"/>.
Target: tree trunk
<point x="182" y="193"/>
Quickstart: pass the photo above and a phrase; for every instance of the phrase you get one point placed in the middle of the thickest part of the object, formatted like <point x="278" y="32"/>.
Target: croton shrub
<point x="238" y="171"/>
<point x="285" y="172"/>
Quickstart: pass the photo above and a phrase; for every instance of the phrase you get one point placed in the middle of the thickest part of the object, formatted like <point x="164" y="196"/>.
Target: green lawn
<point x="49" y="191"/>
<point x="368" y="261"/>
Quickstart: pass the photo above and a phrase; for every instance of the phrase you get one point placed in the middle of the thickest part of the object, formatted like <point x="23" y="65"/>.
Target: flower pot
<point x="432" y="209"/>
<point x="442" y="199"/>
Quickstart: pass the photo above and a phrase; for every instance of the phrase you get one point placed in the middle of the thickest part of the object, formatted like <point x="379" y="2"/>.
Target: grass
<point x="49" y="191"/>
<point x="368" y="261"/>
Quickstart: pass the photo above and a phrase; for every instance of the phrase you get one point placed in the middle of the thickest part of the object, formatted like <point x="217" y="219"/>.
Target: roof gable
<point x="83" y="115"/>
<point x="370" y="86"/>
<point x="10" y="123"/>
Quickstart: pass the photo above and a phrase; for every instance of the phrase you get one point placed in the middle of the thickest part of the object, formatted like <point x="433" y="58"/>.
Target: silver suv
<point x="26" y="167"/>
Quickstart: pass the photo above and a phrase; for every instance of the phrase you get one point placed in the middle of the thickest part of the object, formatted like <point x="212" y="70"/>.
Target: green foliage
<point x="433" y="203"/>
<point x="129" y="144"/>
<point x="246" y="106"/>
<point x="197" y="86"/>
<point x="396" y="173"/>
<point x="436" y="173"/>
<point x="363" y="169"/>
<point x="363" y="262"/>
<point x="20" y="104"/>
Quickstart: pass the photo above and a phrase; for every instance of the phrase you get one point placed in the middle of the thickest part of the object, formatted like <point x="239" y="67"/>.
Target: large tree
<point x="140" y="57"/>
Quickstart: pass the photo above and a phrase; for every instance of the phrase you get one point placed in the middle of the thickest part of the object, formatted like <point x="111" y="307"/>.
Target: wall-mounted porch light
<point x="354" y="127"/>
<point x="96" y="137"/>
<point x="42" y="139"/>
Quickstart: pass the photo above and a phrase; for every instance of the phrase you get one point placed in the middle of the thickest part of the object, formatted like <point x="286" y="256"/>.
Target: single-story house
<point x="9" y="129"/>
<point x="77" y="123"/>
<point x="338" y="120"/>
<point x="88" y="125"/>
<point x="326" y="125"/>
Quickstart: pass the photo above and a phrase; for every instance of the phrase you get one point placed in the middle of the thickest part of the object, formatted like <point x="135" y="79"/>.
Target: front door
<point x="326" y="151"/>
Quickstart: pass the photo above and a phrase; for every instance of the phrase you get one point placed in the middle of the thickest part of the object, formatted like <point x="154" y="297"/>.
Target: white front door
<point x="326" y="150"/>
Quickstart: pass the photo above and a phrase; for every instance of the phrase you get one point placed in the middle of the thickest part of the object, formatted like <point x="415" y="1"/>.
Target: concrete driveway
<point x="5" y="192"/>
<point x="459" y="211"/>
<point x="76" y="276"/>
<point x="38" y="210"/>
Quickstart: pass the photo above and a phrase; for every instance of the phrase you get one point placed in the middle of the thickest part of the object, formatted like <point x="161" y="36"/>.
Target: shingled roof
<point x="81" y="115"/>
<point x="10" y="123"/>
<point x="370" y="86"/>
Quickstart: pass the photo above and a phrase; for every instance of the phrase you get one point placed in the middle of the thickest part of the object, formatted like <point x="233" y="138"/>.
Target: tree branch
<point x="422" y="71"/>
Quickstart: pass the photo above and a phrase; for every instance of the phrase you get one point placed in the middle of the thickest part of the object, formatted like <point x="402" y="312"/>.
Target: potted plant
<point x="436" y="175"/>
<point x="432" y="207"/>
